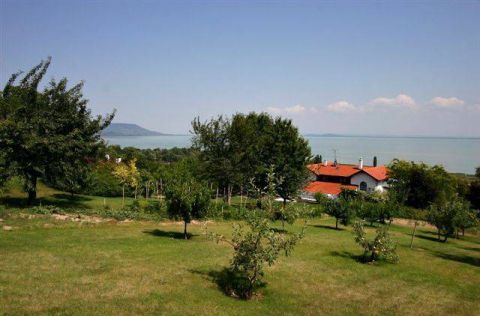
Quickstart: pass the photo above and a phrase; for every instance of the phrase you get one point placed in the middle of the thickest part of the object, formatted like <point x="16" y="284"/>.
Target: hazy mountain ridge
<point x="127" y="129"/>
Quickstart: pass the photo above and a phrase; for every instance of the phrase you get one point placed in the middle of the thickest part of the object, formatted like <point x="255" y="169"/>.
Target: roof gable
<point x="379" y="173"/>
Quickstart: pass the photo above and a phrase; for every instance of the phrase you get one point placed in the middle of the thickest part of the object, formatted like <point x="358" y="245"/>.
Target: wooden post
<point x="413" y="234"/>
<point x="241" y="196"/>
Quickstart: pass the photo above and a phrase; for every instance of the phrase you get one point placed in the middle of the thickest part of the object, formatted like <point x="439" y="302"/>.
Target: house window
<point x="363" y="186"/>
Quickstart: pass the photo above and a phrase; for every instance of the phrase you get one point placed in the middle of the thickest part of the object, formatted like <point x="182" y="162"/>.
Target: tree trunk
<point x="31" y="188"/>
<point x="123" y="195"/>
<point x="230" y="189"/>
<point x="185" y="235"/>
<point x="413" y="235"/>
<point x="336" y="223"/>
<point x="241" y="196"/>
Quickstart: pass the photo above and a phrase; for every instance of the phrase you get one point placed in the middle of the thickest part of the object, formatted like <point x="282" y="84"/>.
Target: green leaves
<point x="254" y="247"/>
<point x="47" y="134"/>
<point x="382" y="247"/>
<point x="236" y="150"/>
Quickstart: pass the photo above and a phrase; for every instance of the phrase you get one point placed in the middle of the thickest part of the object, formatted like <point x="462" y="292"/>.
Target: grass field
<point x="57" y="267"/>
<point x="50" y="266"/>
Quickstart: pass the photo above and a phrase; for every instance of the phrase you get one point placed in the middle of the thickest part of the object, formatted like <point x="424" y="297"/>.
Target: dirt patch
<point x="193" y="222"/>
<point x="80" y="218"/>
<point x="410" y="223"/>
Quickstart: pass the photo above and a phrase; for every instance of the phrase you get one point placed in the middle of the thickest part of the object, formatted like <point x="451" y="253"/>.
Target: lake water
<point x="455" y="154"/>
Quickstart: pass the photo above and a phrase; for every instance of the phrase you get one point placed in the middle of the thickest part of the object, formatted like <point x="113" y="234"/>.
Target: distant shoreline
<point x="391" y="136"/>
<point x="321" y="135"/>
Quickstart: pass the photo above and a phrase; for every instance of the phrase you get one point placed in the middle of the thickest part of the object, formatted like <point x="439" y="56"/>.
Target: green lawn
<point x="57" y="267"/>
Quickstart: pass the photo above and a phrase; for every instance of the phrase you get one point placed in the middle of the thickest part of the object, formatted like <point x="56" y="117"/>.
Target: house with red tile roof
<point x="330" y="178"/>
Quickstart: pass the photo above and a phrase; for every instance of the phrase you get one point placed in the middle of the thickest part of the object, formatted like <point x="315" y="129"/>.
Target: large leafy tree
<point x="419" y="185"/>
<point x="233" y="151"/>
<point x="46" y="134"/>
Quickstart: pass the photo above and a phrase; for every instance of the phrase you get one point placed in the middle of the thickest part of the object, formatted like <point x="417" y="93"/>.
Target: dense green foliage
<point x="474" y="192"/>
<point x="187" y="198"/>
<point x="450" y="216"/>
<point x="419" y="185"/>
<point x="255" y="247"/>
<point x="48" y="134"/>
<point x="235" y="151"/>
<point x="382" y="247"/>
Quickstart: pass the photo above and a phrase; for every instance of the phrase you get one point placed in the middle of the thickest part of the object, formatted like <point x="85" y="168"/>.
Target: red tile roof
<point x="380" y="173"/>
<point x="327" y="187"/>
<point x="346" y="171"/>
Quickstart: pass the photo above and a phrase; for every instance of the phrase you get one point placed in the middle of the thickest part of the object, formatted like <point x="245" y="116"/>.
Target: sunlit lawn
<point x="141" y="267"/>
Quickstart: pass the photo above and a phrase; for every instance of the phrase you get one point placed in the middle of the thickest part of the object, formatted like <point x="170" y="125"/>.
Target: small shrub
<point x="46" y="210"/>
<point x="253" y="249"/>
<point x="381" y="248"/>
<point x="342" y="210"/>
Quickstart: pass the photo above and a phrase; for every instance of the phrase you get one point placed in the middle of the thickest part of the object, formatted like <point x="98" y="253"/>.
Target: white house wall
<point x="364" y="177"/>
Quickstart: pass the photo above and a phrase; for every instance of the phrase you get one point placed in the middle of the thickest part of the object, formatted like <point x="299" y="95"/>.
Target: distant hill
<point x="126" y="129"/>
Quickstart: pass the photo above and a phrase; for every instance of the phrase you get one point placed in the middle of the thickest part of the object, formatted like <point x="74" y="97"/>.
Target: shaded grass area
<point x="147" y="268"/>
<point x="16" y="198"/>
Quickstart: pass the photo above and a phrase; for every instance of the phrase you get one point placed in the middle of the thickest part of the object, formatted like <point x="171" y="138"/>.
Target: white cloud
<point x="287" y="110"/>
<point x="341" y="107"/>
<point x="447" y="102"/>
<point x="400" y="100"/>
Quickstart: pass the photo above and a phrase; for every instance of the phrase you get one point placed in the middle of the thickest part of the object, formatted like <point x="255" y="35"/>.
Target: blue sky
<point x="391" y="68"/>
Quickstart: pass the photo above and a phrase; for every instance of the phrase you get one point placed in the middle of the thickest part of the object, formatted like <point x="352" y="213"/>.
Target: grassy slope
<point x="125" y="268"/>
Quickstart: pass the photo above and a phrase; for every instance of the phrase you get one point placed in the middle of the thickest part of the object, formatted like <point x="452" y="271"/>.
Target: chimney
<point x="360" y="163"/>
<point x="325" y="162"/>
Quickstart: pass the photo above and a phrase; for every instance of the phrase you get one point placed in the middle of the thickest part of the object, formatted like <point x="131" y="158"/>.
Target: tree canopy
<point x="48" y="133"/>
<point x="419" y="185"/>
<point x="235" y="150"/>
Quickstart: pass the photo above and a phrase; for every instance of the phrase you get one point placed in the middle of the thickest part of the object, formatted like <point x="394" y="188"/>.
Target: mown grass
<point x="59" y="267"/>
<point x="51" y="267"/>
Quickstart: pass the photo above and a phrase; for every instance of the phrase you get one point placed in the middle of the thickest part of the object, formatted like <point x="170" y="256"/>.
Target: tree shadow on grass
<point x="168" y="234"/>
<point x="231" y="283"/>
<point x="73" y="198"/>
<point x="429" y="238"/>
<point x="60" y="200"/>
<point x="471" y="249"/>
<point x="349" y="255"/>
<point x="459" y="258"/>
<point x="327" y="227"/>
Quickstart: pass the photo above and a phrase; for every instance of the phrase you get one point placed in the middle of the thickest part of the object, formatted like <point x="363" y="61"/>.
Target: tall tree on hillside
<point x="244" y="147"/>
<point x="48" y="132"/>
<point x="290" y="155"/>
<point x="419" y="185"/>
